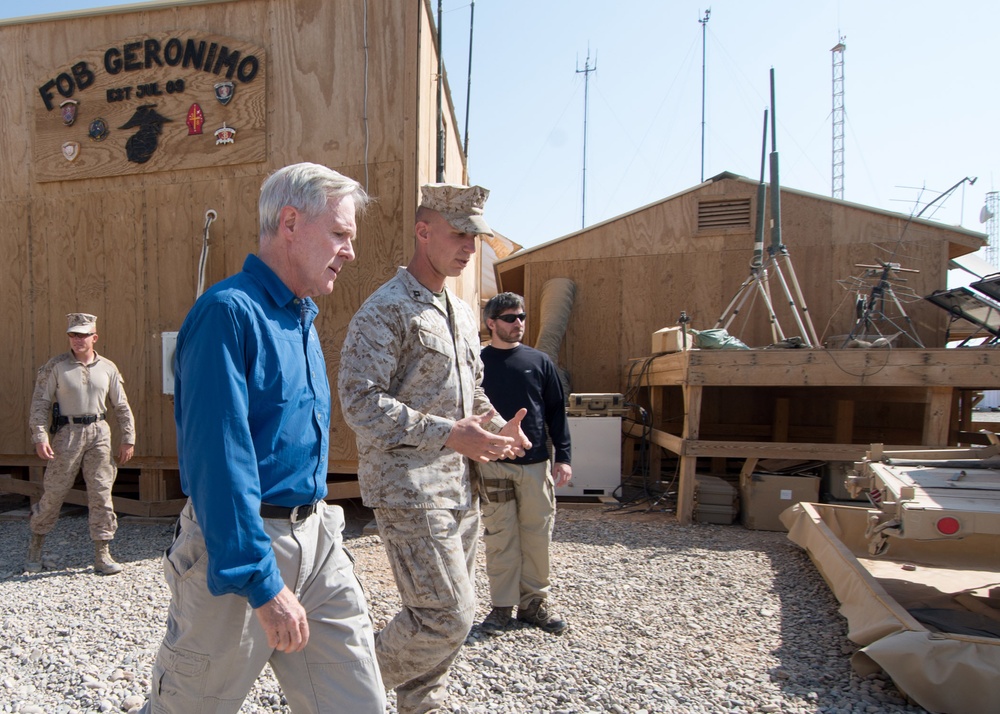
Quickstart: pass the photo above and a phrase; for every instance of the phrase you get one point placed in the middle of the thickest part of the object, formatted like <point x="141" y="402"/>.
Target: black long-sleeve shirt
<point x="526" y="377"/>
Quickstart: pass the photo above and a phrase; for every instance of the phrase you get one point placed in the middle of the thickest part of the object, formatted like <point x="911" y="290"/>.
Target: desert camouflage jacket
<point x="79" y="389"/>
<point x="405" y="378"/>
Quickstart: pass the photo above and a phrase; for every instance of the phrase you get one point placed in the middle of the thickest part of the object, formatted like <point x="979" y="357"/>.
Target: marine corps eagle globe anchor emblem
<point x="141" y="145"/>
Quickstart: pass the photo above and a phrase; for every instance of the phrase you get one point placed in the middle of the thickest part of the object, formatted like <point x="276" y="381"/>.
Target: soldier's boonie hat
<point x="461" y="206"/>
<point x="81" y="322"/>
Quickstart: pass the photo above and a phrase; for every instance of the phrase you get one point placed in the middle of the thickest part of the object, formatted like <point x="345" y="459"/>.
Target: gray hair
<point x="502" y="302"/>
<point x="306" y="187"/>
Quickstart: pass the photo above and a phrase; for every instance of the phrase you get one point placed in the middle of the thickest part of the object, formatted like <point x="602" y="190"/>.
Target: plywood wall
<point x="637" y="273"/>
<point x="125" y="245"/>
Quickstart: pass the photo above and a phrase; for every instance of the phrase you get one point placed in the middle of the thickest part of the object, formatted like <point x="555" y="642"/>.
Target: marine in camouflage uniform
<point x="81" y="382"/>
<point x="410" y="387"/>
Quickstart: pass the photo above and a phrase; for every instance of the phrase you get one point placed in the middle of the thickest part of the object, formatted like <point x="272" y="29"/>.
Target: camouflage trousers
<point x="517" y="532"/>
<point x="432" y="553"/>
<point x="75" y="446"/>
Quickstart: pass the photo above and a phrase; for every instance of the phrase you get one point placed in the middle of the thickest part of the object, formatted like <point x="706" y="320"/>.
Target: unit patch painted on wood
<point x="141" y="105"/>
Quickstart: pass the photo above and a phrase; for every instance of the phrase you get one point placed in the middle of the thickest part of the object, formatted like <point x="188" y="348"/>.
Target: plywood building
<point x="105" y="211"/>
<point x="691" y="253"/>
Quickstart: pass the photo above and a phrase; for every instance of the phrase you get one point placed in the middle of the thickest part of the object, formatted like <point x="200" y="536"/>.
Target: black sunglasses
<point x="509" y="319"/>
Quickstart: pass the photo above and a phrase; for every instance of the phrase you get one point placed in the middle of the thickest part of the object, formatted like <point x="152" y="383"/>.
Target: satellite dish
<point x="985" y="214"/>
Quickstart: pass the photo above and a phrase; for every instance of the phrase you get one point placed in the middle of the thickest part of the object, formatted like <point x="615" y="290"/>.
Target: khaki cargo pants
<point x="517" y="530"/>
<point x="215" y="647"/>
<point x="76" y="445"/>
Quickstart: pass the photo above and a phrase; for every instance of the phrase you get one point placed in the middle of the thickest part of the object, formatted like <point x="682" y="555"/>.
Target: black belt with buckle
<point x="85" y="419"/>
<point x="294" y="514"/>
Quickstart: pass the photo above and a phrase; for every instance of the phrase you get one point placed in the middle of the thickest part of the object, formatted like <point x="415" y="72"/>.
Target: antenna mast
<point x="468" y="88"/>
<point x="992" y="220"/>
<point x="440" y="96"/>
<point x="703" y="22"/>
<point x="837" y="171"/>
<point x="587" y="69"/>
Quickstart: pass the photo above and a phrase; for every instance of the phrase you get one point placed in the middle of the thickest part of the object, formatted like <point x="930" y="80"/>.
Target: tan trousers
<point x="517" y="533"/>
<point x="433" y="558"/>
<point x="215" y="648"/>
<point x="76" y="445"/>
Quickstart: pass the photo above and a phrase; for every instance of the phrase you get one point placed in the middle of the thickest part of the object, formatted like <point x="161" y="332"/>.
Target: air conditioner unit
<point x="597" y="456"/>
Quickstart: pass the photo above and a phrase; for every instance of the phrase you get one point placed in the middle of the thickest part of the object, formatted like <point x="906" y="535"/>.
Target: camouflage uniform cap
<point x="81" y="322"/>
<point x="461" y="206"/>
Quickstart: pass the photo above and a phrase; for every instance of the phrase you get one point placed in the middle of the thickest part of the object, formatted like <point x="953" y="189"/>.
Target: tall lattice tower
<point x="992" y="221"/>
<point x="837" y="187"/>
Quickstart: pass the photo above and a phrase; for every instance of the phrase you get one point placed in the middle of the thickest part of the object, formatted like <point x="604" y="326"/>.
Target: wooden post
<point x="779" y="428"/>
<point x="152" y="485"/>
<point x="937" y="415"/>
<point x="689" y="464"/>
<point x="36" y="474"/>
<point x="655" y="451"/>
<point x="843" y="429"/>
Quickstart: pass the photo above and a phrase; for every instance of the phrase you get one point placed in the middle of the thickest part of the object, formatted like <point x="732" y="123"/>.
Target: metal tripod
<point x="758" y="280"/>
<point x="870" y="308"/>
<point x="777" y="254"/>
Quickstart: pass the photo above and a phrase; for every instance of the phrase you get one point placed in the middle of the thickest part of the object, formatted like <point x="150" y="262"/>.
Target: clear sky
<point x="920" y="97"/>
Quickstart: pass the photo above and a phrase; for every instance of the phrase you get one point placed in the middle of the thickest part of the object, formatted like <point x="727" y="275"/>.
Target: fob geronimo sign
<point x="151" y="103"/>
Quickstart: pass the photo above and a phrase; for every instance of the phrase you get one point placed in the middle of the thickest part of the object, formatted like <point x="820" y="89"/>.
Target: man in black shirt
<point x="520" y="514"/>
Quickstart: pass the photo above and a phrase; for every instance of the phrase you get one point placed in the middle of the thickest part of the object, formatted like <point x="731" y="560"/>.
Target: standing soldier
<point x="411" y="389"/>
<point x="71" y="392"/>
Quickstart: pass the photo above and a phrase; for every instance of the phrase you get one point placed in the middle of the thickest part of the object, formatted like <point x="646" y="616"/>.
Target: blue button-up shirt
<point x="252" y="406"/>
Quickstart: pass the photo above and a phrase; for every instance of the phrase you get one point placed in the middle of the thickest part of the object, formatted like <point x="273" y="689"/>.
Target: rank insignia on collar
<point x="68" y="109"/>
<point x="195" y="120"/>
<point x="224" y="92"/>
<point x="98" y="130"/>
<point x="70" y="150"/>
<point x="225" y="135"/>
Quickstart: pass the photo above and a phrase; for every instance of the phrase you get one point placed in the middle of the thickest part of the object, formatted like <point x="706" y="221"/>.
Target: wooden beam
<point x="342" y="490"/>
<point x="670" y="442"/>
<point x="777" y="450"/>
<point x="969" y="368"/>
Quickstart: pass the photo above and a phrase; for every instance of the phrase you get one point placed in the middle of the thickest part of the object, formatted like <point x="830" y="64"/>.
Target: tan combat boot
<point x="34" y="564"/>
<point x="104" y="564"/>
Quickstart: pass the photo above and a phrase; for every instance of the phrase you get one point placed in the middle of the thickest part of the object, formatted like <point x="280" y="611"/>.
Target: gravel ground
<point x="664" y="618"/>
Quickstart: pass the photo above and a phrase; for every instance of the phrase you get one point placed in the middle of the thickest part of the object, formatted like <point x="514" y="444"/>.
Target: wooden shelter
<point x="691" y="253"/>
<point x="121" y="129"/>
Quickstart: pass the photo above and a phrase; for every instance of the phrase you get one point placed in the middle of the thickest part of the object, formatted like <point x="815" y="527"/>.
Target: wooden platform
<point x="146" y="487"/>
<point x="805" y="404"/>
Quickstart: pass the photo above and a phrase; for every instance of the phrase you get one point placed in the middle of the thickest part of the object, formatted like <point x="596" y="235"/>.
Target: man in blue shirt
<point x="257" y="571"/>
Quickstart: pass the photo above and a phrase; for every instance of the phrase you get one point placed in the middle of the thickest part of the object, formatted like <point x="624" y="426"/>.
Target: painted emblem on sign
<point x="225" y="135"/>
<point x="68" y="109"/>
<point x="70" y="150"/>
<point x="98" y="130"/>
<point x="141" y="145"/>
<point x="195" y="120"/>
<point x="224" y="91"/>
